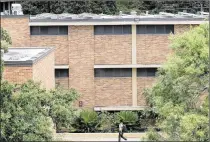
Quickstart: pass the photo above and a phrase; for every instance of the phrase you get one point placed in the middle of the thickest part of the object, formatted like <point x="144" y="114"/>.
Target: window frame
<point x="103" y="31"/>
<point x="62" y="76"/>
<point x="138" y="31"/>
<point x="146" y="72"/>
<point x="112" y="72"/>
<point x="47" y="34"/>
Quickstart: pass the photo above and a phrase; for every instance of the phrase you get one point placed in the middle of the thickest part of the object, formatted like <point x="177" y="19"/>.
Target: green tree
<point x="6" y="40"/>
<point x="180" y="83"/>
<point x="29" y="113"/>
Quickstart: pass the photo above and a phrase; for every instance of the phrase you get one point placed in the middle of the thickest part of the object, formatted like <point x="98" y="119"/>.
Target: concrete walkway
<point x="131" y="137"/>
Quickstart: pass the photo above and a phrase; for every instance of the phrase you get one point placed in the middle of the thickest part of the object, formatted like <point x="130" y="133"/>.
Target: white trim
<point x="127" y="66"/>
<point x="61" y="66"/>
<point x="119" y="108"/>
<point x="116" y="23"/>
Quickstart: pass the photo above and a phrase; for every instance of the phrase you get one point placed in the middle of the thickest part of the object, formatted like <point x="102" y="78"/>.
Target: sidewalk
<point x="131" y="137"/>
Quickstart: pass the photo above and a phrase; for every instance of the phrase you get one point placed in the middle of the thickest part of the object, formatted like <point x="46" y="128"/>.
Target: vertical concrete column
<point x="9" y="8"/>
<point x="134" y="70"/>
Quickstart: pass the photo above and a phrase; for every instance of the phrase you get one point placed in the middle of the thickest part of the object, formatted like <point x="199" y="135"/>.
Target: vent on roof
<point x="18" y="57"/>
<point x="133" y="12"/>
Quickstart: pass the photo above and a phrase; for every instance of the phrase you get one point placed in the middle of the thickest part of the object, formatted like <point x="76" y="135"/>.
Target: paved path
<point x="131" y="137"/>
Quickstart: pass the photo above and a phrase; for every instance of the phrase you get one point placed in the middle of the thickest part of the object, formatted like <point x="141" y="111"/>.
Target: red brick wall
<point x="113" y="91"/>
<point x="113" y="49"/>
<point x="152" y="49"/>
<point x="63" y="82"/>
<point x="60" y="43"/>
<point x="18" y="29"/>
<point x="81" y="62"/>
<point x="17" y="74"/>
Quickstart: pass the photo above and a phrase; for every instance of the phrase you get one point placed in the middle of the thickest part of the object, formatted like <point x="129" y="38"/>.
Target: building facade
<point x="108" y="60"/>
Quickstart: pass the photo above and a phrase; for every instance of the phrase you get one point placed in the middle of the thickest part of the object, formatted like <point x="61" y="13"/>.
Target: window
<point x="146" y="72"/>
<point x="118" y="30"/>
<point x="35" y="30"/>
<point x="53" y="30"/>
<point x="108" y="30"/>
<point x="169" y="29"/>
<point x="61" y="73"/>
<point x="63" y="30"/>
<point x="112" y="30"/>
<point x="49" y="30"/>
<point x="155" y="29"/>
<point x="113" y="72"/>
<point x="44" y="30"/>
<point x="150" y="29"/>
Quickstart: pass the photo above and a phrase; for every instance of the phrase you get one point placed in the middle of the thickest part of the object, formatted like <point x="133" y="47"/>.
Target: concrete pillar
<point x="134" y="70"/>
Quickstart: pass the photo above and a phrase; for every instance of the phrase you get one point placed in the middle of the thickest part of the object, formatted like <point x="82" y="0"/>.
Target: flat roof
<point x="122" y="17"/>
<point x="46" y="19"/>
<point x="25" y="55"/>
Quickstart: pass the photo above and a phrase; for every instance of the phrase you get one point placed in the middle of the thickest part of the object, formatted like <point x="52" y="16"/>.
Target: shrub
<point x="87" y="121"/>
<point x="107" y="122"/>
<point x="128" y="117"/>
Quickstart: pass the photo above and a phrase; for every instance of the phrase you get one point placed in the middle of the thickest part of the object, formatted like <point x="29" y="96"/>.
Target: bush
<point x="128" y="117"/>
<point x="152" y="135"/>
<point x="87" y="121"/>
<point x="107" y="122"/>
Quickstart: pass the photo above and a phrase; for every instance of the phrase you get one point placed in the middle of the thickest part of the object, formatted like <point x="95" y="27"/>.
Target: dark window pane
<point x="61" y="73"/>
<point x="34" y="30"/>
<point x="108" y="29"/>
<point x="1" y="6"/>
<point x="169" y="29"/>
<point x="63" y="30"/>
<point x="151" y="71"/>
<point x="44" y="30"/>
<point x="127" y="72"/>
<point x="109" y="72"/>
<point x="98" y="30"/>
<point x="118" y="30"/>
<point x="127" y="29"/>
<point x="141" y="72"/>
<point x="150" y="29"/>
<point x="6" y="6"/>
<point x="53" y="30"/>
<point x="141" y="29"/>
<point x="97" y="73"/>
<point x="160" y="29"/>
<point x="117" y="73"/>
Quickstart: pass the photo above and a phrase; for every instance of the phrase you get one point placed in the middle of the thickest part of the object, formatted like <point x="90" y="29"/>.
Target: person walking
<point x="122" y="128"/>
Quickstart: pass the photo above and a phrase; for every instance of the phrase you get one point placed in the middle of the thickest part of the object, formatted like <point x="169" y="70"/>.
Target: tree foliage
<point x="28" y="113"/>
<point x="111" y="7"/>
<point x="6" y="40"/>
<point x="180" y="84"/>
<point x="75" y="7"/>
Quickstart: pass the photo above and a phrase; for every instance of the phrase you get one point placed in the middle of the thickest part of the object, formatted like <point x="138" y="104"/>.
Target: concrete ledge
<point x="61" y="66"/>
<point x="112" y="22"/>
<point x="119" y="108"/>
<point x="127" y="66"/>
<point x="96" y="136"/>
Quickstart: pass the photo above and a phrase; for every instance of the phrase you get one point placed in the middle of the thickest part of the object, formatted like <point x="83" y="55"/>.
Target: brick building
<point x="23" y="64"/>
<point x="109" y="60"/>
